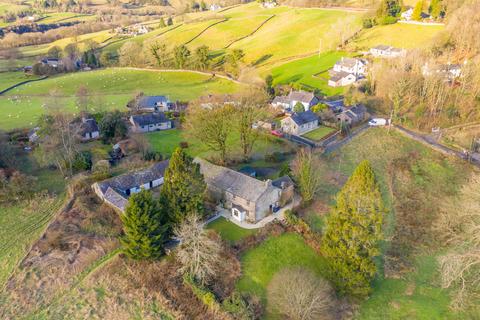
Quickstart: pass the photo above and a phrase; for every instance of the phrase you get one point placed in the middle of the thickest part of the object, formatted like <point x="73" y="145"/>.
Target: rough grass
<point x="21" y="224"/>
<point x="228" y="230"/>
<point x="261" y="263"/>
<point x="318" y="133"/>
<point x="109" y="89"/>
<point x="397" y="35"/>
<point x="435" y="178"/>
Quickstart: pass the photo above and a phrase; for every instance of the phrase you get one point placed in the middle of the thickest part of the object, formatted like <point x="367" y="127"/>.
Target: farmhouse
<point x="299" y="123"/>
<point x="247" y="198"/>
<point x="269" y="4"/>
<point x="115" y="191"/>
<point x="341" y="79"/>
<point x="88" y="129"/>
<point x="407" y="15"/>
<point x="357" y="67"/>
<point x="384" y="51"/>
<point x="134" y="30"/>
<point x="154" y="103"/>
<point x="51" y="62"/>
<point x="354" y="115"/>
<point x="215" y="7"/>
<point x="150" y="122"/>
<point x="306" y="98"/>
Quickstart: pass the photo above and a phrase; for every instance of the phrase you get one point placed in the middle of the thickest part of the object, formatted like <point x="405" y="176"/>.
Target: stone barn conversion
<point x="247" y="198"/>
<point x="115" y="191"/>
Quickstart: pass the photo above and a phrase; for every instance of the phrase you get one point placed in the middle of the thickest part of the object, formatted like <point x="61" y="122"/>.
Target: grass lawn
<point x="398" y="35"/>
<point x="228" y="230"/>
<point x="260" y="264"/>
<point x="318" y="133"/>
<point x="8" y="79"/>
<point x="167" y="141"/>
<point x="109" y="89"/>
<point x="309" y="71"/>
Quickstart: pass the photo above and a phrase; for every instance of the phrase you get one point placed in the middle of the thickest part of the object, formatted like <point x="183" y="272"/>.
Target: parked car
<point x="276" y="133"/>
<point x="377" y="122"/>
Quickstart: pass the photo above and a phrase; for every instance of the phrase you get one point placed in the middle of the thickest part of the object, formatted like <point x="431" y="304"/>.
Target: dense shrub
<point x="82" y="161"/>
<point x="243" y="307"/>
<point x="274" y="157"/>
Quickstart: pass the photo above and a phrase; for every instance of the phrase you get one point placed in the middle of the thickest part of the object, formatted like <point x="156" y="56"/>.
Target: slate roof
<point x="382" y="47"/>
<point x="335" y="105"/>
<point x="356" y="112"/>
<point x="337" y="76"/>
<point x="116" y="199"/>
<point x="303" y="117"/>
<point x="285" y="179"/>
<point x="303" y="96"/>
<point x="127" y="181"/>
<point x="149" y="118"/>
<point x="151" y="101"/>
<point x="232" y="181"/>
<point x="281" y="99"/>
<point x="88" y="126"/>
<point x="350" y="62"/>
<point x="114" y="190"/>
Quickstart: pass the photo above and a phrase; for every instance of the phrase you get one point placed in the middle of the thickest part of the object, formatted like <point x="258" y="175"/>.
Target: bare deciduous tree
<point x="250" y="110"/>
<point x="300" y="295"/>
<point x="459" y="225"/>
<point x="198" y="254"/>
<point x="305" y="169"/>
<point x="211" y="124"/>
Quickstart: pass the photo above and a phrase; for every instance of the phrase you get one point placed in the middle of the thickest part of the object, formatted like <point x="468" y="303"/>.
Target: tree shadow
<point x="262" y="59"/>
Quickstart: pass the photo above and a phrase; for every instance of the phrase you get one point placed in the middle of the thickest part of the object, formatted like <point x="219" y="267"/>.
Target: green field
<point x="109" y="89"/>
<point x="275" y="41"/>
<point x="309" y="72"/>
<point x="100" y="37"/>
<point x="56" y="17"/>
<point x="8" y="79"/>
<point x="228" y="230"/>
<point x="318" y="133"/>
<point x="260" y="264"/>
<point x="398" y="35"/>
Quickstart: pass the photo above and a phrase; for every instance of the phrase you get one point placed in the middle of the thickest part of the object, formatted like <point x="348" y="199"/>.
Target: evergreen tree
<point x="353" y="231"/>
<point x="202" y="57"/>
<point x="145" y="226"/>
<point x="298" y="107"/>
<point x="417" y="11"/>
<point x="183" y="187"/>
<point x="435" y="9"/>
<point x="161" y="23"/>
<point x="181" y="55"/>
<point x="169" y="21"/>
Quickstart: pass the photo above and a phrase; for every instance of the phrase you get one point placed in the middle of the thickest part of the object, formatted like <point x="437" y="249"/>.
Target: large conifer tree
<point x="353" y="231"/>
<point x="146" y="227"/>
<point x="183" y="188"/>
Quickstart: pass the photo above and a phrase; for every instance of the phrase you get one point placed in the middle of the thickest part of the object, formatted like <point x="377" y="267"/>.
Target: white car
<point x="377" y="122"/>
